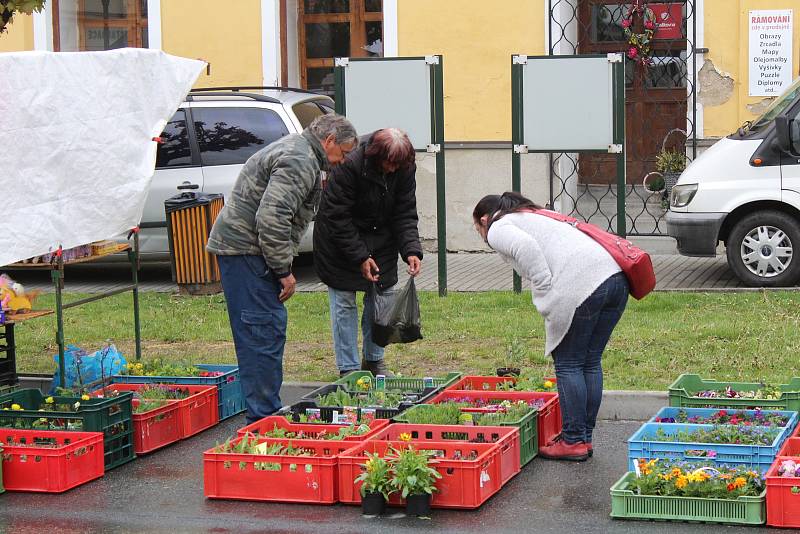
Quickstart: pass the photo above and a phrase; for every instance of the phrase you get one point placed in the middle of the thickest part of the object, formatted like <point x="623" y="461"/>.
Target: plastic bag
<point x="396" y="318"/>
<point x="82" y="368"/>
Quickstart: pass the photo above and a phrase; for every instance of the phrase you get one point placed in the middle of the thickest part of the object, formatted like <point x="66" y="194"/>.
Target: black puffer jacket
<point x="364" y="213"/>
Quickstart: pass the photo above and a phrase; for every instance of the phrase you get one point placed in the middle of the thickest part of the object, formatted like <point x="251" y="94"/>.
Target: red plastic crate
<point x="156" y="428"/>
<point x="465" y="484"/>
<point x="791" y="447"/>
<point x="153" y="429"/>
<point x="78" y="459"/>
<point x="275" y="478"/>
<point x="487" y="383"/>
<point x="783" y="497"/>
<point x="197" y="412"/>
<point x="200" y="410"/>
<point x="506" y="437"/>
<point x="549" y="424"/>
<point x="311" y="430"/>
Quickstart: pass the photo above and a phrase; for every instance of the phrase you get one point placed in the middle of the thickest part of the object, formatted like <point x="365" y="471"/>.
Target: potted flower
<point x="375" y="487"/>
<point x="670" y="163"/>
<point x="415" y="479"/>
<point x="514" y="353"/>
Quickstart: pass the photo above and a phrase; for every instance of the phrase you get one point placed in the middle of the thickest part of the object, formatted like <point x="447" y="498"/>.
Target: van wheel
<point x="760" y="249"/>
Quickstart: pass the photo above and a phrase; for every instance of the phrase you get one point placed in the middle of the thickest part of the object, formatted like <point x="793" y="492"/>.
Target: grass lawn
<point x="735" y="336"/>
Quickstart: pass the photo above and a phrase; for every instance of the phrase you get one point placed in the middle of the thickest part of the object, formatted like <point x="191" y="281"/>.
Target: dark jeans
<point x="258" y="322"/>
<point x="579" y="373"/>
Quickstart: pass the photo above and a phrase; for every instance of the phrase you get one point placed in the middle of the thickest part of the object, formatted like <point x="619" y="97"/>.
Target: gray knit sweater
<point x="563" y="264"/>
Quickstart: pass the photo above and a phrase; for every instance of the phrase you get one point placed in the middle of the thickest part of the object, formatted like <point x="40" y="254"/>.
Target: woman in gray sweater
<point x="580" y="291"/>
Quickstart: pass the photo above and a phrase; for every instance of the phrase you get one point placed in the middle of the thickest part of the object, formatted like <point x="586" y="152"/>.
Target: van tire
<point x="759" y="229"/>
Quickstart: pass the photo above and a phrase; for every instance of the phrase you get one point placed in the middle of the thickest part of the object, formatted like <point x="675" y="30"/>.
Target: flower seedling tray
<point x="682" y="391"/>
<point x="112" y="417"/>
<point x="275" y="478"/>
<point x="528" y="432"/>
<point x="310" y="430"/>
<point x="229" y="386"/>
<point x="383" y="413"/>
<point x="625" y="504"/>
<point x="506" y="437"/>
<point x="783" y="496"/>
<point x="339" y="414"/>
<point x="49" y="462"/>
<point x="671" y="412"/>
<point x="309" y="412"/>
<point x="395" y="383"/>
<point x="756" y="457"/>
<point x="465" y="483"/>
<point x="549" y="419"/>
<point x="488" y="383"/>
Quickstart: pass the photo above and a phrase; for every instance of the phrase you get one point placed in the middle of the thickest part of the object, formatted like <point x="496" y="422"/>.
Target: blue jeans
<point x="258" y="322"/>
<point x="579" y="372"/>
<point x="344" y="325"/>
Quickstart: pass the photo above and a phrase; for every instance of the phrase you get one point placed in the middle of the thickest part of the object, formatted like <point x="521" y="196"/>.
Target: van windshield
<point x="777" y="107"/>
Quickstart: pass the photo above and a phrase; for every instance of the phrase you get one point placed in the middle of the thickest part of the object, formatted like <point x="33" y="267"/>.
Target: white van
<point x="744" y="191"/>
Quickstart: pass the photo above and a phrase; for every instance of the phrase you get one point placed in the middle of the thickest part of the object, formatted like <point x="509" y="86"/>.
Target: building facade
<point x="696" y="88"/>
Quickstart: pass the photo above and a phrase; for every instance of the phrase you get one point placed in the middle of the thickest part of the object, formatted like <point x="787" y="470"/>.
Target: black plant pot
<point x="508" y="371"/>
<point x="373" y="503"/>
<point x="418" y="505"/>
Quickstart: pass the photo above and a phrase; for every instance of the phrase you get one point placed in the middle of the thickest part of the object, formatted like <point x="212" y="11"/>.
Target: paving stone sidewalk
<point x="466" y="272"/>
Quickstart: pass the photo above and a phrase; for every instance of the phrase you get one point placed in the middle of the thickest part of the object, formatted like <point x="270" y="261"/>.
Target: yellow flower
<point x="681" y="482"/>
<point x="676" y="472"/>
<point x="740" y="482"/>
<point x="16" y="407"/>
<point x="49" y="400"/>
<point x="85" y="397"/>
<point x="405" y="436"/>
<point x="548" y="384"/>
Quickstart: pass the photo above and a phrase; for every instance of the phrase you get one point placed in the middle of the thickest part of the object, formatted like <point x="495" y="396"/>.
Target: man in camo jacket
<point x="255" y="238"/>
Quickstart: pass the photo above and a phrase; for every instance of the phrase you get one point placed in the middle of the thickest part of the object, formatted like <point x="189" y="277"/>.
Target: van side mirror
<point x="783" y="134"/>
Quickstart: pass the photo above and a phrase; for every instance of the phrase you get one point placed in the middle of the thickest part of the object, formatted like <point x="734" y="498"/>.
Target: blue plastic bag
<point x="82" y="368"/>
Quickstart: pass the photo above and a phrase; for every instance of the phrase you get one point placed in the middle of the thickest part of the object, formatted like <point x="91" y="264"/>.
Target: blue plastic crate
<point x="756" y="457"/>
<point x="229" y="385"/>
<point x="670" y="411"/>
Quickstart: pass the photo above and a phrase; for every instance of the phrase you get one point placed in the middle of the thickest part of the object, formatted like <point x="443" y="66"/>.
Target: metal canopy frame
<point x="617" y="65"/>
<point x="436" y="145"/>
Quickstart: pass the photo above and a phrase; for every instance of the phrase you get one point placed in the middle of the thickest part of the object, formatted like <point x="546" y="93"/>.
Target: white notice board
<point x="770" y="58"/>
<point x="390" y="93"/>
<point x="568" y="104"/>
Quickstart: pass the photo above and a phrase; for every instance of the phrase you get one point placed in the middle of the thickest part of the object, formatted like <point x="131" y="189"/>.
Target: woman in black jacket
<point x="368" y="214"/>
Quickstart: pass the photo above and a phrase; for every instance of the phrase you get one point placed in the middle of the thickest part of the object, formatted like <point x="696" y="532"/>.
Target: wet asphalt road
<point x="163" y="492"/>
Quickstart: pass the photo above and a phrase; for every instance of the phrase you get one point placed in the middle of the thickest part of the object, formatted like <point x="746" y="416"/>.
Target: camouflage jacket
<point x="272" y="202"/>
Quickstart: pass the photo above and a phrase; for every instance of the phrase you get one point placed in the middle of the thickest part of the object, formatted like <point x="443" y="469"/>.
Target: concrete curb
<point x="617" y="405"/>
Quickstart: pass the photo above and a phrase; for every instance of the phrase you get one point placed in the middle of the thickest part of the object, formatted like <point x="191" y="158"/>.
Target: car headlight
<point x="682" y="195"/>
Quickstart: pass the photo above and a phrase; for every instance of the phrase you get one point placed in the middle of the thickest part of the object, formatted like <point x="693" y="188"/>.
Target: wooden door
<point x="336" y="28"/>
<point x="656" y="95"/>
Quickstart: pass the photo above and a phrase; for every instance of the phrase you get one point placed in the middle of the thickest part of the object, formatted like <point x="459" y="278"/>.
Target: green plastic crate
<point x="681" y="391"/>
<point x="111" y="416"/>
<point x="627" y="505"/>
<point x="396" y="383"/>
<point x="528" y="431"/>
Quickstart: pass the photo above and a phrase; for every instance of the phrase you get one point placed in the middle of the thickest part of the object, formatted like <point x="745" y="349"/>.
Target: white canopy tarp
<point x="76" y="149"/>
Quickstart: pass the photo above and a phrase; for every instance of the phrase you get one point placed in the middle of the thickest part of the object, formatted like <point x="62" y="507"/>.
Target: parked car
<point x="208" y="140"/>
<point x="745" y="192"/>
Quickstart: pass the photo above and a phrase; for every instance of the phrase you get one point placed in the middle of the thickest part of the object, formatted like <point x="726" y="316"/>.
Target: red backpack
<point x="633" y="261"/>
